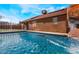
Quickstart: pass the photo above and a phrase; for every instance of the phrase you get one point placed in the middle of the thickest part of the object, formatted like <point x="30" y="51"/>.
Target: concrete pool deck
<point x="9" y="30"/>
<point x="72" y="34"/>
<point x="65" y="34"/>
<point x="3" y="31"/>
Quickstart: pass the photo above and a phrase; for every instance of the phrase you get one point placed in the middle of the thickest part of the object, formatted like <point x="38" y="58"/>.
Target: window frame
<point x="55" y="20"/>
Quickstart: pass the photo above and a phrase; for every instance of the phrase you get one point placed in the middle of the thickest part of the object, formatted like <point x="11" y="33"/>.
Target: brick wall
<point x="74" y="11"/>
<point x="47" y="25"/>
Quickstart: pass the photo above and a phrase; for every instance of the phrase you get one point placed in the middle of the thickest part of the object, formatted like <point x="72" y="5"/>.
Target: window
<point x="77" y="25"/>
<point x="34" y="21"/>
<point x="55" y="20"/>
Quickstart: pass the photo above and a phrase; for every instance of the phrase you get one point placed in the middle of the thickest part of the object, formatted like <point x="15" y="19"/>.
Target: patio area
<point x="74" y="33"/>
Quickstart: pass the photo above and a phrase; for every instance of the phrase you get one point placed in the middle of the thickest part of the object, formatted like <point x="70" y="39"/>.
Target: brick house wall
<point x="73" y="12"/>
<point x="47" y="24"/>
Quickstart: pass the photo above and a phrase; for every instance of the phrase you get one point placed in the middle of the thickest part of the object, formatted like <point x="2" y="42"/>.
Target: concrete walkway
<point x="74" y="33"/>
<point x="15" y="30"/>
<point x="10" y="30"/>
<point x="65" y="34"/>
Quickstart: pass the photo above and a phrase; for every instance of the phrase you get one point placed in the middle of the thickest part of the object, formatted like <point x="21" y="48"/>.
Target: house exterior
<point x="61" y="21"/>
<point x="50" y="22"/>
<point x="74" y="20"/>
<point x="74" y="16"/>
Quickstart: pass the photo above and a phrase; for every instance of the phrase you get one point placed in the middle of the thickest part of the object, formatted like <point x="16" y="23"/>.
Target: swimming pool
<point x="36" y="43"/>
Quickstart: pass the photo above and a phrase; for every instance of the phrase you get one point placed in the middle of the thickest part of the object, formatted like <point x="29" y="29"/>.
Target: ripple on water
<point x="33" y="43"/>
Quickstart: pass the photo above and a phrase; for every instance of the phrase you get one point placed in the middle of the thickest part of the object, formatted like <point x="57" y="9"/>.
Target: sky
<point x="19" y="12"/>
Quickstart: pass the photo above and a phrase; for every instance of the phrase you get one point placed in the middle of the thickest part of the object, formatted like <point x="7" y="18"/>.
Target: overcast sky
<point x="19" y="12"/>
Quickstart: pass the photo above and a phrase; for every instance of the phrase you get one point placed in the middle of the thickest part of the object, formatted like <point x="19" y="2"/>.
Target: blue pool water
<point x="37" y="43"/>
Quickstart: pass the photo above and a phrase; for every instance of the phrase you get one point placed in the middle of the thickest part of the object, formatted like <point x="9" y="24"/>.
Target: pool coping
<point x="63" y="34"/>
<point x="55" y="33"/>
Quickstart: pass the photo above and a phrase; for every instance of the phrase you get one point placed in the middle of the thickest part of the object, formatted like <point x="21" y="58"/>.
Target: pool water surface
<point x="37" y="43"/>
